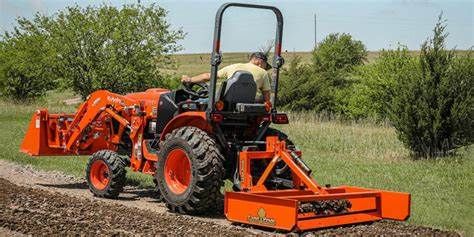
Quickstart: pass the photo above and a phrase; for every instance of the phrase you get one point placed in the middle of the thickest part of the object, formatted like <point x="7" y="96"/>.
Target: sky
<point x="379" y="24"/>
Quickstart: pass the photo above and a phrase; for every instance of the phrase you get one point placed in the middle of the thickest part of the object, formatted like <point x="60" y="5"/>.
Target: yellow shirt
<point x="260" y="76"/>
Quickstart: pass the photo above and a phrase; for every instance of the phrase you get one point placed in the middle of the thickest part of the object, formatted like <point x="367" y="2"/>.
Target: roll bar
<point x="216" y="56"/>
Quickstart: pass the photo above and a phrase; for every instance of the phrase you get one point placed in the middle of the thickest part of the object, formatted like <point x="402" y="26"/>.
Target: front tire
<point x="190" y="171"/>
<point x="105" y="174"/>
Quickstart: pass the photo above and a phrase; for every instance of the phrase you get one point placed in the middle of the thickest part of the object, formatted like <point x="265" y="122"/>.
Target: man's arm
<point x="196" y="79"/>
<point x="266" y="88"/>
<point x="205" y="76"/>
<point x="266" y="96"/>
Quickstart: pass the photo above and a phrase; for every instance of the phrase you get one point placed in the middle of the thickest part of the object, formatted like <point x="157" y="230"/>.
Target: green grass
<point x="368" y="155"/>
<point x="193" y="64"/>
<point x="361" y="154"/>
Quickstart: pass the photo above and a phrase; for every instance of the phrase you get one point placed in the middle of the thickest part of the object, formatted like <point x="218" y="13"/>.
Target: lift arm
<point x="88" y="130"/>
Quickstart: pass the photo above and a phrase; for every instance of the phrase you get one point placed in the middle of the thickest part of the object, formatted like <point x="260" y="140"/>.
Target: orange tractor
<point x="193" y="138"/>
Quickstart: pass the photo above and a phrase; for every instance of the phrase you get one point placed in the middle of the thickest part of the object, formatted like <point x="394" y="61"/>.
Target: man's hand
<point x="186" y="79"/>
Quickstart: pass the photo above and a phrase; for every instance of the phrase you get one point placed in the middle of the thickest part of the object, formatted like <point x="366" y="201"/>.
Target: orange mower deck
<point x="280" y="209"/>
<point x="283" y="209"/>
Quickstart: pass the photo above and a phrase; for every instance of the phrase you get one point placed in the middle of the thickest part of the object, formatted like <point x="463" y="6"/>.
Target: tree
<point x="433" y="110"/>
<point x="300" y="88"/>
<point x="25" y="56"/>
<point x="376" y="83"/>
<point x="121" y="50"/>
<point x="338" y="52"/>
<point x="335" y="59"/>
<point x="322" y="85"/>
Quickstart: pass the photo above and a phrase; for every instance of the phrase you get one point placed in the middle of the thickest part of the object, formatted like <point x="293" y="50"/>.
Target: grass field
<point x="361" y="154"/>
<point x="193" y="64"/>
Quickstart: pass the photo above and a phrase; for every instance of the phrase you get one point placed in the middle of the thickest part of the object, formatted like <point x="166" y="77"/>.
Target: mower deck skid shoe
<point x="282" y="209"/>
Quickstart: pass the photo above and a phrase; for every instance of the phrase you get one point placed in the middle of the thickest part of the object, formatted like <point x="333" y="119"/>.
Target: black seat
<point x="238" y="93"/>
<point x="239" y="88"/>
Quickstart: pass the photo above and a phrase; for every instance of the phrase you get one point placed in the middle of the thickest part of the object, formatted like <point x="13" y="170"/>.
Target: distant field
<point x="192" y="64"/>
<point x="360" y="154"/>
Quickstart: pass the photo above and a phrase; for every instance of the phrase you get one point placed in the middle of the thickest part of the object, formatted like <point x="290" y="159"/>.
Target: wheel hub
<point x="99" y="174"/>
<point x="177" y="171"/>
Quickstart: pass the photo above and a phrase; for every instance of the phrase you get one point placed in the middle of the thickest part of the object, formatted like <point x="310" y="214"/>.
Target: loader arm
<point x="90" y="129"/>
<point x="99" y="103"/>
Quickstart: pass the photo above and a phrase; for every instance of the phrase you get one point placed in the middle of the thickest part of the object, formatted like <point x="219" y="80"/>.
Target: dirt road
<point x="45" y="203"/>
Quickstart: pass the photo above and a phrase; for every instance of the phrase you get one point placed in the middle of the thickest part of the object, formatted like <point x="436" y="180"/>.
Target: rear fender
<point x="194" y="119"/>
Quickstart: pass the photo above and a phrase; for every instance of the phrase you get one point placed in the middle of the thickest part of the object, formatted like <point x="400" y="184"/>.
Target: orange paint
<point x="99" y="174"/>
<point x="195" y="118"/>
<point x="278" y="209"/>
<point x="177" y="171"/>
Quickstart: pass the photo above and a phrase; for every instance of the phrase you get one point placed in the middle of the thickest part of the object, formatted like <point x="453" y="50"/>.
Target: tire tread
<point x="117" y="174"/>
<point x="210" y="171"/>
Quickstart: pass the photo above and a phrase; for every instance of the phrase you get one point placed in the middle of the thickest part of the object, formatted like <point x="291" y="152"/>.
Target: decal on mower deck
<point x="261" y="218"/>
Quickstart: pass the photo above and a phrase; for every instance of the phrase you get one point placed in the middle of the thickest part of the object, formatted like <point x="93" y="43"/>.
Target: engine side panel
<point x="167" y="109"/>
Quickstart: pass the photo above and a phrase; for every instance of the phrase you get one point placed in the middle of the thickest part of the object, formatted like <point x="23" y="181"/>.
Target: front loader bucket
<point x="283" y="209"/>
<point x="42" y="137"/>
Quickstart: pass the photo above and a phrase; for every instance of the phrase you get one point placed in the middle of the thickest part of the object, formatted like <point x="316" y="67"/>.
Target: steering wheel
<point x="201" y="92"/>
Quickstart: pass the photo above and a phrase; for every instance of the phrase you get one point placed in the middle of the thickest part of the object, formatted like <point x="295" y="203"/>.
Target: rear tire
<point x="105" y="174"/>
<point x="190" y="171"/>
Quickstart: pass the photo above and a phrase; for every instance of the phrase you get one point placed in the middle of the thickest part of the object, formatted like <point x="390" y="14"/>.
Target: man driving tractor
<point x="257" y="66"/>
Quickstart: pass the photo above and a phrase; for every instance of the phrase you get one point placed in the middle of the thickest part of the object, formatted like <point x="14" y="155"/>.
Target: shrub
<point x="338" y="52"/>
<point x="299" y="88"/>
<point x="371" y="95"/>
<point x="321" y="84"/>
<point x="433" y="111"/>
<point x="25" y="55"/>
